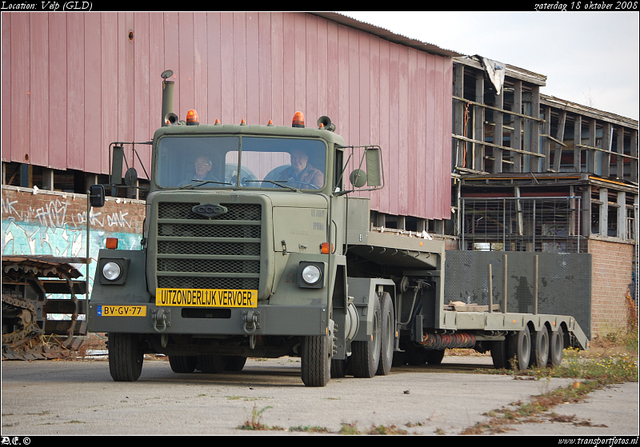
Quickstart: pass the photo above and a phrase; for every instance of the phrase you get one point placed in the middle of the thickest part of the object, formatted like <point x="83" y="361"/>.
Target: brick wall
<point x="611" y="276"/>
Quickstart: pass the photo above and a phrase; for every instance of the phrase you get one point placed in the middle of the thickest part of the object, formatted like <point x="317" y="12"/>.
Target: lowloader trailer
<point x="255" y="244"/>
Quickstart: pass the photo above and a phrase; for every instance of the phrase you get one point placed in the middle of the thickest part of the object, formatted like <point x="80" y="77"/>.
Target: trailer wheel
<point x="541" y="347"/>
<point x="387" y="335"/>
<point x="316" y="360"/>
<point x="212" y="364"/>
<point x="125" y="357"/>
<point x="499" y="354"/>
<point x="183" y="363"/>
<point x="556" y="347"/>
<point x="366" y="354"/>
<point x="519" y="347"/>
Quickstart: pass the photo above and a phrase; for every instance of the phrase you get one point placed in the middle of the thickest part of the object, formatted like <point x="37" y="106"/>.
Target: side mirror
<point x="358" y="178"/>
<point x="131" y="177"/>
<point x="96" y="196"/>
<point x="374" y="173"/>
<point x="117" y="159"/>
<point x="372" y="176"/>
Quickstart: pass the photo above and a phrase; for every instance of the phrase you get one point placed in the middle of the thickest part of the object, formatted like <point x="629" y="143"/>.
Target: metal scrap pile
<point x="27" y="332"/>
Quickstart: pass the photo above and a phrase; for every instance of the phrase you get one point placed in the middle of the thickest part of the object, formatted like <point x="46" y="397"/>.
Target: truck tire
<point x="519" y="349"/>
<point x="540" y="347"/>
<point x="125" y="357"/>
<point x="316" y="360"/>
<point x="183" y="363"/>
<point x="235" y="363"/>
<point x="212" y="364"/>
<point x="339" y="368"/>
<point x="556" y="347"/>
<point x="387" y="335"/>
<point x="365" y="355"/>
<point x="434" y="356"/>
<point x="499" y="354"/>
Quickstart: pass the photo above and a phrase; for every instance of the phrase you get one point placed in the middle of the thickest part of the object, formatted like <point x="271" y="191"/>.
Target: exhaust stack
<point x="168" y="117"/>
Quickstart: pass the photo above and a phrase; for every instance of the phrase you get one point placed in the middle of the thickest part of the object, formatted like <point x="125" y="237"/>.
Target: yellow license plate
<point x="122" y="311"/>
<point x="206" y="298"/>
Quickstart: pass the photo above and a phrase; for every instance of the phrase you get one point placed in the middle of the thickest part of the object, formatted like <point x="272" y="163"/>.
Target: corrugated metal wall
<point x="73" y="83"/>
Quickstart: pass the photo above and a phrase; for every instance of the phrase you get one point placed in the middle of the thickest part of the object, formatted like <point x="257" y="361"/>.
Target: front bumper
<point x="261" y="320"/>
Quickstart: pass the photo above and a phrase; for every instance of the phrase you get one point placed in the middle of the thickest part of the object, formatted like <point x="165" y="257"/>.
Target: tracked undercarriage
<point x="27" y="332"/>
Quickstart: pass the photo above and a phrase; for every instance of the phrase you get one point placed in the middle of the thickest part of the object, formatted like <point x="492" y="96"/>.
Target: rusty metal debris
<point x="27" y="332"/>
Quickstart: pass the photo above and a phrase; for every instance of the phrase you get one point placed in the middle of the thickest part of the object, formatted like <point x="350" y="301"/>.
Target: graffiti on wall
<point x="56" y="213"/>
<point x="54" y="229"/>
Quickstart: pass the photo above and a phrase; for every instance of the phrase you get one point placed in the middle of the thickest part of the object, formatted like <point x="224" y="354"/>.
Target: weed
<point x="352" y="429"/>
<point x="309" y="429"/>
<point x="349" y="429"/>
<point x="255" y="422"/>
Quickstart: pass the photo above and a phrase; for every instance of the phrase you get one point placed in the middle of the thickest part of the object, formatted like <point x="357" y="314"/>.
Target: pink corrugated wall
<point x="73" y="83"/>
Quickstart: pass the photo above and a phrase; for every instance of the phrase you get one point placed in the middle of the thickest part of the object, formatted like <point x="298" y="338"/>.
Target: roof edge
<point x="386" y="34"/>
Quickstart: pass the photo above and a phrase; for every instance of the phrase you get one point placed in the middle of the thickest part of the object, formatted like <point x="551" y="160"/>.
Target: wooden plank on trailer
<point x="460" y="306"/>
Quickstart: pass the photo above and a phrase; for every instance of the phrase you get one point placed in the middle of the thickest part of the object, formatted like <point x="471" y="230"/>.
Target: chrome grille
<point x="222" y="252"/>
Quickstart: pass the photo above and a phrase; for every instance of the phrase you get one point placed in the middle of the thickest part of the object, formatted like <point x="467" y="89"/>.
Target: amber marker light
<point x="192" y="118"/>
<point x="112" y="243"/>
<point x="298" y="120"/>
<point x="325" y="247"/>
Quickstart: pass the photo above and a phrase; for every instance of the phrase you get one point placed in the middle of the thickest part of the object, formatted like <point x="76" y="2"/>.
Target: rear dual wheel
<point x="540" y="347"/>
<point x="212" y="364"/>
<point x="365" y="355"/>
<point x="387" y="335"/>
<point x="556" y="347"/>
<point x="183" y="363"/>
<point x="514" y="351"/>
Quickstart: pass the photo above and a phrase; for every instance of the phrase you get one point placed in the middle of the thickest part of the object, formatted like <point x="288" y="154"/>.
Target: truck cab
<point x="242" y="251"/>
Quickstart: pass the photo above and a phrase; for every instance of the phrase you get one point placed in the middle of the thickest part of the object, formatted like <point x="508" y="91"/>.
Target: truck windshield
<point x="240" y="162"/>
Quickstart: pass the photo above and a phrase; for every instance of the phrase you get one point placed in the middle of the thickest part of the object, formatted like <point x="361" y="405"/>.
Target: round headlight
<point x="311" y="274"/>
<point x="111" y="271"/>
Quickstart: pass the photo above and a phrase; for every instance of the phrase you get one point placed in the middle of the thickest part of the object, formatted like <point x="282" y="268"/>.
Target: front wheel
<point x="125" y="357"/>
<point x="316" y="360"/>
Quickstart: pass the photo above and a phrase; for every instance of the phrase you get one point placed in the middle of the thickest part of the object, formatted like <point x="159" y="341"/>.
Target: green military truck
<point x="257" y="244"/>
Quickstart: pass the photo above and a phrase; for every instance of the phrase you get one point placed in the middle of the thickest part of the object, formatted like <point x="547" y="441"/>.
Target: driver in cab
<point x="301" y="171"/>
<point x="202" y="166"/>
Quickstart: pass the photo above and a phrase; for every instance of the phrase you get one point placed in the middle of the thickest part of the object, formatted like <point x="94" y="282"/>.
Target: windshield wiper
<point x="279" y="183"/>
<point x="203" y="182"/>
